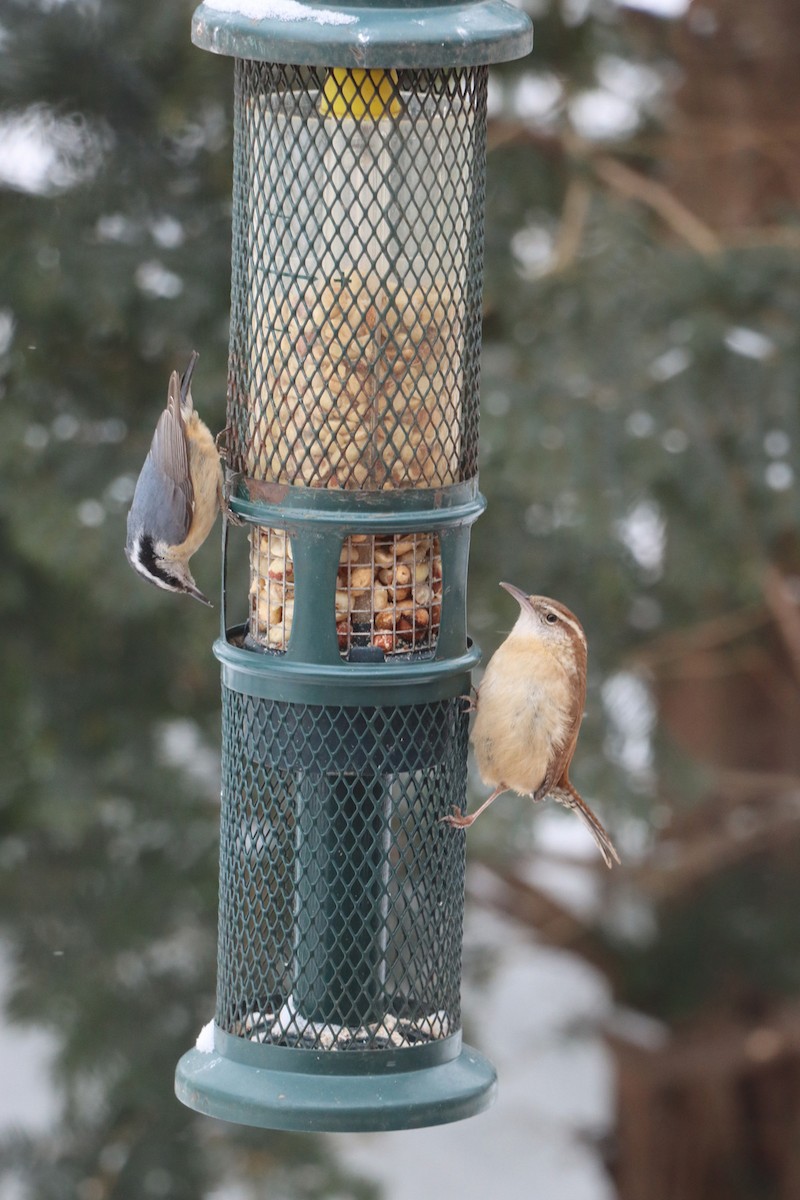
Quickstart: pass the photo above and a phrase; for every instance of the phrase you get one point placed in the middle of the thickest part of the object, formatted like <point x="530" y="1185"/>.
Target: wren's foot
<point x="457" y="819"/>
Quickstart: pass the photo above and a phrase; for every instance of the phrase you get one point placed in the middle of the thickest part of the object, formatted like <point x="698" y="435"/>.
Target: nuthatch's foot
<point x="232" y="478"/>
<point x="231" y="517"/>
<point x="471" y="702"/>
<point x="221" y="442"/>
<point x="457" y="819"/>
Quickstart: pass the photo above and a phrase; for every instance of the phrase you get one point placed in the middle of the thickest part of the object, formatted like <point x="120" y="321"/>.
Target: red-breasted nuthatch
<point x="177" y="494"/>
<point x="529" y="711"/>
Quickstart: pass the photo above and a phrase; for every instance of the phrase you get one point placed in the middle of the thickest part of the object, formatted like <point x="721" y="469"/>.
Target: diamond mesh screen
<point x="341" y="895"/>
<point x="357" y="273"/>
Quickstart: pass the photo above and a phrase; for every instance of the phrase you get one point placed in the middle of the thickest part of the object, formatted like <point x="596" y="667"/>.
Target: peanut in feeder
<point x="352" y="408"/>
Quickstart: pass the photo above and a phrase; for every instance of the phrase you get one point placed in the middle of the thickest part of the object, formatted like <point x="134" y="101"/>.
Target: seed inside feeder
<point x="287" y="1027"/>
<point x="363" y="387"/>
<point x="388" y="591"/>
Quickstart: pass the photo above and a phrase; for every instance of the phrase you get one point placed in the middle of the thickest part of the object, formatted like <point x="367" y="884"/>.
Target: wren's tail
<point x="565" y="794"/>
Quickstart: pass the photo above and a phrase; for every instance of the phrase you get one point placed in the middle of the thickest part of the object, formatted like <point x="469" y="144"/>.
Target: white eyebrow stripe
<point x="573" y="622"/>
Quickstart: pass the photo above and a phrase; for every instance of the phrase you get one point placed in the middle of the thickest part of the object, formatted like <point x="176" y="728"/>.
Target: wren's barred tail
<point x="565" y="794"/>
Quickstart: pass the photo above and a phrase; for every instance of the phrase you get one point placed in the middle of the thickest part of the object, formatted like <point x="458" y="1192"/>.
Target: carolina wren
<point x="529" y="709"/>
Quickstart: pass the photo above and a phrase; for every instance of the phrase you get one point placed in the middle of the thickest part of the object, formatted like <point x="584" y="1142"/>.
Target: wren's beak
<point x="521" y="598"/>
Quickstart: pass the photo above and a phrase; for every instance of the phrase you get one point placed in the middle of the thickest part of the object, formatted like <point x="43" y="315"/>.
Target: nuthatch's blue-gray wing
<point x="163" y="501"/>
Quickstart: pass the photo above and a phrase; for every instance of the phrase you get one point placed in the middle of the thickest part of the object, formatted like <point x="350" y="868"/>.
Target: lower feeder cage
<point x="359" y="159"/>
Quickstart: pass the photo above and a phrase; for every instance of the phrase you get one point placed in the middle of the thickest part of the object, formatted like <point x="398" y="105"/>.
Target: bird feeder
<point x="358" y="197"/>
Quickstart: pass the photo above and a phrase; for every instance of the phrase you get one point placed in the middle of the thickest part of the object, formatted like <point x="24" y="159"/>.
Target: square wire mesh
<point x="271" y="587"/>
<point x="357" y="276"/>
<point x="388" y="591"/>
<point x="341" y="894"/>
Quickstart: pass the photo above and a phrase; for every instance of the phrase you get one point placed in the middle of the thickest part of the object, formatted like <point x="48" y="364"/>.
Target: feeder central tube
<point x="342" y="841"/>
<point x="357" y="93"/>
<point x="361" y="166"/>
<point x="356" y="282"/>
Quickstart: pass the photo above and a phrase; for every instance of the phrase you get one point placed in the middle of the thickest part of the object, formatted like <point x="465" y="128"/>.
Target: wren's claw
<point x="457" y="819"/>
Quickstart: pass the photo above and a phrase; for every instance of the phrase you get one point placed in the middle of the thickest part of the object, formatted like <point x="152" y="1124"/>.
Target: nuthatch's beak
<point x="521" y="598"/>
<point x="198" y="595"/>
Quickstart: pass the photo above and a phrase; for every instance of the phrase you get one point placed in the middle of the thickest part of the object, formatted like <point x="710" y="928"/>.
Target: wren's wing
<point x="163" y="502"/>
<point x="558" y="766"/>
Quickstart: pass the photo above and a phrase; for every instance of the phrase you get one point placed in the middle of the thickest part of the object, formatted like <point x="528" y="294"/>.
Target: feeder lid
<point x="455" y="33"/>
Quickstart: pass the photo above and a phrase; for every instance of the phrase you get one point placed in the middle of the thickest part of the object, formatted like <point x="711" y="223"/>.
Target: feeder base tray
<point x="322" y="1102"/>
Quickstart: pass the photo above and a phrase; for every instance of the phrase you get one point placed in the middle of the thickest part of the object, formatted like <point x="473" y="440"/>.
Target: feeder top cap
<point x="322" y="33"/>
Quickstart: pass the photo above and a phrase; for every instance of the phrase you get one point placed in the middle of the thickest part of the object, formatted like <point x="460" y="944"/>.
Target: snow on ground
<point x="27" y="1101"/>
<point x="535" y="1017"/>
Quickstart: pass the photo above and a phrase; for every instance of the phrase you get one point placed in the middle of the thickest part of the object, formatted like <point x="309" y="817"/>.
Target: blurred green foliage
<point x="630" y="438"/>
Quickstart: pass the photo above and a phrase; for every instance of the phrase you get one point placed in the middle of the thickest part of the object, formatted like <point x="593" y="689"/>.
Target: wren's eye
<point x="551" y="618"/>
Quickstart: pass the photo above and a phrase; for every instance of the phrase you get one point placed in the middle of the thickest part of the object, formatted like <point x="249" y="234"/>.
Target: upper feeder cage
<point x="358" y="198"/>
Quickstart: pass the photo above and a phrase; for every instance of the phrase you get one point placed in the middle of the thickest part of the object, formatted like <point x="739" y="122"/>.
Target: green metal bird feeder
<point x="358" y="197"/>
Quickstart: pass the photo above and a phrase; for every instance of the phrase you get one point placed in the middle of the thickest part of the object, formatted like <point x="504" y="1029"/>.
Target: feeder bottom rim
<point x="297" y="1101"/>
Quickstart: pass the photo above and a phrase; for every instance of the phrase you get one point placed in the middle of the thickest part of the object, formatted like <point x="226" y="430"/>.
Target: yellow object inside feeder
<point x="358" y="93"/>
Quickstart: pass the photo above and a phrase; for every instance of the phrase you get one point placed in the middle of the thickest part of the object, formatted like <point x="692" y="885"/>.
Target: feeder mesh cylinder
<point x="341" y="893"/>
<point x="355" y="339"/>
<point x="356" y="317"/>
<point x="357" y="272"/>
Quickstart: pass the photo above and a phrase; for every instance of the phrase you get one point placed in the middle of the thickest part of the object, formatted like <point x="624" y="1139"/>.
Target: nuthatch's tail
<point x="186" y="382"/>
<point x="565" y="794"/>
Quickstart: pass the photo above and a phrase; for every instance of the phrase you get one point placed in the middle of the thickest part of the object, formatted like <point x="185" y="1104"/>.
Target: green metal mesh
<point x="356" y="276"/>
<point x="355" y="321"/>
<point x="341" y="894"/>
<point x="354" y="356"/>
